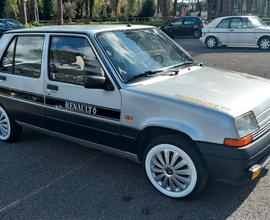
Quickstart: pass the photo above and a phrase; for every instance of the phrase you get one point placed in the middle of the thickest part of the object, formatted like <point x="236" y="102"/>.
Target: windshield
<point x="257" y="22"/>
<point x="134" y="52"/>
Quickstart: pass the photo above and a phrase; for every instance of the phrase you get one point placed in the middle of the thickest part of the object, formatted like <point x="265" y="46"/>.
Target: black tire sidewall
<point x="197" y="36"/>
<point x="263" y="38"/>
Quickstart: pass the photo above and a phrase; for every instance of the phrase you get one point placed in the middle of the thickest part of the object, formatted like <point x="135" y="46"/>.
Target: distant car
<point x="184" y="26"/>
<point x="237" y="31"/>
<point x="9" y="24"/>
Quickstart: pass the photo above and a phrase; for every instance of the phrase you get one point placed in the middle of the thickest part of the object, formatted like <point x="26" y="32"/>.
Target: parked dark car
<point x="184" y="26"/>
<point x="9" y="24"/>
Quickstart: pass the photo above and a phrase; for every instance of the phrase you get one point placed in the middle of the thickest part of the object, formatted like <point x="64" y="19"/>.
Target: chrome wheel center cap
<point x="169" y="171"/>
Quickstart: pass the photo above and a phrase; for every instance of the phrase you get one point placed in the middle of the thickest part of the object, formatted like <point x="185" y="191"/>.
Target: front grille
<point x="264" y="124"/>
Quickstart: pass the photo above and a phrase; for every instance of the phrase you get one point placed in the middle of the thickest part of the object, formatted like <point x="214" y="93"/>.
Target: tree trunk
<point x="268" y="9"/>
<point x="60" y="19"/>
<point x="199" y="6"/>
<point x="249" y="6"/>
<point x="212" y="9"/>
<point x="226" y="8"/>
<point x="23" y="14"/>
<point x="174" y="7"/>
<point x="34" y="11"/>
<point x="164" y="8"/>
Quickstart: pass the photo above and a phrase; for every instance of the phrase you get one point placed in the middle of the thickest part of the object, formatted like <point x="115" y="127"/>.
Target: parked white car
<point x="247" y="31"/>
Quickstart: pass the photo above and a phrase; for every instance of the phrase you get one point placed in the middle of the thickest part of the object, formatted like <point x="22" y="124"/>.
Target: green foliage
<point x="109" y="10"/>
<point x="47" y="9"/>
<point x="2" y="8"/>
<point x="69" y="10"/>
<point x="148" y="8"/>
<point x="96" y="8"/>
<point x="131" y="9"/>
<point x="11" y="9"/>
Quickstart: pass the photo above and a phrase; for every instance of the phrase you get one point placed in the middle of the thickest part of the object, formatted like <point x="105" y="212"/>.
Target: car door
<point x="88" y="114"/>
<point x="174" y="28"/>
<point x="239" y="34"/>
<point x="21" y="78"/>
<point x="221" y="31"/>
<point x="187" y="27"/>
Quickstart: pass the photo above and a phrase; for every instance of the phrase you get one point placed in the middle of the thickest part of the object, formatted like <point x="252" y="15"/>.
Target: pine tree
<point x="148" y="8"/>
<point x="2" y="8"/>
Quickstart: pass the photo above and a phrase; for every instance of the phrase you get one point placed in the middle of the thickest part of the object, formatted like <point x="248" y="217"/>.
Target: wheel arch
<point x="153" y="131"/>
<point x="260" y="38"/>
<point x="212" y="35"/>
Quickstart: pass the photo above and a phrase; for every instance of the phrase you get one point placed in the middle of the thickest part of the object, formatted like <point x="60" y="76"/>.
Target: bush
<point x="148" y="9"/>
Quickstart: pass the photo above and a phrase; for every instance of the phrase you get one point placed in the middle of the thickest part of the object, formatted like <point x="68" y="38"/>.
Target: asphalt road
<point x="42" y="177"/>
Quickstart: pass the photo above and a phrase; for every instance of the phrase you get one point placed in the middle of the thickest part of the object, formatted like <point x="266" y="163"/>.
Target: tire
<point x="197" y="34"/>
<point x="10" y="131"/>
<point x="211" y="42"/>
<point x="174" y="167"/>
<point x="264" y="43"/>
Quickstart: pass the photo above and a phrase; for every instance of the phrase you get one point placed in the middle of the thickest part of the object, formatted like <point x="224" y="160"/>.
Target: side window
<point x="189" y="21"/>
<point x="177" y="22"/>
<point x="246" y="23"/>
<point x="224" y="23"/>
<point x="7" y="59"/>
<point x="71" y="58"/>
<point x="28" y="56"/>
<point x="236" y="23"/>
<point x="2" y="24"/>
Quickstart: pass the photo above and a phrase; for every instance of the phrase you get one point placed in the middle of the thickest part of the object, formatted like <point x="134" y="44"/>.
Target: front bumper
<point x="233" y="165"/>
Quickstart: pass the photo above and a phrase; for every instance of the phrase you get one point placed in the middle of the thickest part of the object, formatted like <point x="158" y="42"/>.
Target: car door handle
<point x="3" y="78"/>
<point x="52" y="87"/>
<point x="231" y="30"/>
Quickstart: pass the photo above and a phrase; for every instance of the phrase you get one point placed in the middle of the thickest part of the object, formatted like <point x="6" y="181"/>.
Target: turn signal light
<point x="238" y="142"/>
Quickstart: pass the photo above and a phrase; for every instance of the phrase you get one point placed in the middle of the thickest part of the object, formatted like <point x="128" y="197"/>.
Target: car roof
<point x="7" y="19"/>
<point x="87" y="29"/>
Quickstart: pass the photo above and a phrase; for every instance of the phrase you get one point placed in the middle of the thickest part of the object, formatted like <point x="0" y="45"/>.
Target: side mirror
<point x="94" y="82"/>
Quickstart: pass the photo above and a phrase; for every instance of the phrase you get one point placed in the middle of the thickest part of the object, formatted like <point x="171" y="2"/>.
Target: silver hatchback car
<point x="132" y="91"/>
<point x="246" y="31"/>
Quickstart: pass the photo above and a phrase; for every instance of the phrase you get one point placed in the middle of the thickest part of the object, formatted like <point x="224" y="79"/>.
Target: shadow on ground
<point x="53" y="179"/>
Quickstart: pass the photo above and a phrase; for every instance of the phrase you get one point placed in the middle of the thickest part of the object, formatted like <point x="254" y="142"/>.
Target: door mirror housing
<point x="94" y="82"/>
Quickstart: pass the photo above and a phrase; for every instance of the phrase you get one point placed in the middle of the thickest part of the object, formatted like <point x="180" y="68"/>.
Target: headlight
<point x="246" y="124"/>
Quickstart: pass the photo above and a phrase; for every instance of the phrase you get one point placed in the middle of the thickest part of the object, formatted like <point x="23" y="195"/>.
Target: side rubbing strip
<point x="83" y="108"/>
<point x="22" y="95"/>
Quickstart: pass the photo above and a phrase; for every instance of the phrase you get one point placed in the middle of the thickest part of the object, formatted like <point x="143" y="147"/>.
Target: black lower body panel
<point x="231" y="164"/>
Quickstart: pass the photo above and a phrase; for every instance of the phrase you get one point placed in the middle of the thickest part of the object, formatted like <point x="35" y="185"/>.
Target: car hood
<point x="230" y="92"/>
<point x="264" y="28"/>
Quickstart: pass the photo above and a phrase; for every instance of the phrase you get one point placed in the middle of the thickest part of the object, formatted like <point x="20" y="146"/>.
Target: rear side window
<point x="236" y="23"/>
<point x="2" y="24"/>
<point x="224" y="23"/>
<point x="176" y="22"/>
<point x="189" y="21"/>
<point x="7" y="59"/>
<point x="28" y="56"/>
<point x="23" y="56"/>
<point x="71" y="58"/>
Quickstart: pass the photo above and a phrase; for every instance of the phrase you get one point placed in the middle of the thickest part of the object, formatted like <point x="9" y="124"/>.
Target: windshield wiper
<point x="183" y="64"/>
<point x="142" y="75"/>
